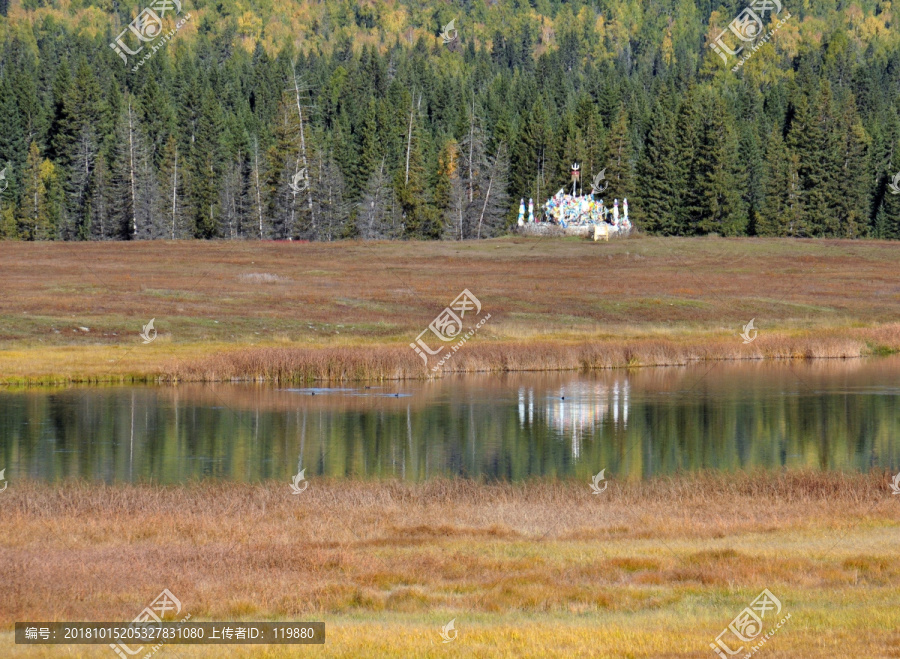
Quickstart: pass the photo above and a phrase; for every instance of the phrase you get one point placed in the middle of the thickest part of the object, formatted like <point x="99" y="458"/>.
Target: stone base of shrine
<point x="550" y="229"/>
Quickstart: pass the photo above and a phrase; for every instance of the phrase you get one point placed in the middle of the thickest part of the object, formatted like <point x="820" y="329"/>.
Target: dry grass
<point x="296" y="311"/>
<point x="393" y="363"/>
<point x="385" y="564"/>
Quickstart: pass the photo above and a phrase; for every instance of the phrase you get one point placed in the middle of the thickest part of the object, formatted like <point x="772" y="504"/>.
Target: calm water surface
<point x="827" y="415"/>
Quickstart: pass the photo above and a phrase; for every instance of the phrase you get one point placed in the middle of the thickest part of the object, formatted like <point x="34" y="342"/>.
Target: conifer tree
<point x="535" y="157"/>
<point x="493" y="196"/>
<point x="287" y="181"/>
<point x="171" y="185"/>
<point x="133" y="207"/>
<point x="13" y="147"/>
<point x="378" y="211"/>
<point x="206" y="168"/>
<point x="35" y="214"/>
<point x="688" y="134"/>
<point x="419" y="219"/>
<point x="100" y="200"/>
<point x="779" y="215"/>
<point x="331" y="201"/>
<point x="370" y="153"/>
<point x="618" y="158"/>
<point x="887" y="220"/>
<point x="591" y="138"/>
<point x="852" y="184"/>
<point x="76" y="142"/>
<point x="751" y="172"/>
<point x="811" y="139"/>
<point x="658" y="179"/>
<point x="447" y="180"/>
<point x="719" y="181"/>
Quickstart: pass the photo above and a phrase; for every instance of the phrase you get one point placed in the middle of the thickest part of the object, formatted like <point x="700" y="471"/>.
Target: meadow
<point x="546" y="568"/>
<point x="73" y="312"/>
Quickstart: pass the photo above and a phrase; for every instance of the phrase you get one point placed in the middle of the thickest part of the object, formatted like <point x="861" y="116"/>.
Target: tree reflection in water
<point x="830" y="415"/>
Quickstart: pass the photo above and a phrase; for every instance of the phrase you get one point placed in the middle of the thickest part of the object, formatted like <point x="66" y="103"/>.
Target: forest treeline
<point x="336" y="119"/>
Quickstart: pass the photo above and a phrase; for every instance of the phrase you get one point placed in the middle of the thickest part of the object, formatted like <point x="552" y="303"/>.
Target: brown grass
<point x="95" y="552"/>
<point x="350" y="310"/>
<point x="393" y="363"/>
<point x="647" y="569"/>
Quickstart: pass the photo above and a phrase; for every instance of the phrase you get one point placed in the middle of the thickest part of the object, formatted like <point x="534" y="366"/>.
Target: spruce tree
<point x="779" y="213"/>
<point x="286" y="180"/>
<point x="206" y="168"/>
<point x="13" y="145"/>
<point x="887" y="216"/>
<point x="535" y="157"/>
<point x="420" y="220"/>
<point x="852" y="184"/>
<point x="591" y="138"/>
<point x="687" y="161"/>
<point x="720" y="208"/>
<point x="377" y="215"/>
<point x="887" y="220"/>
<point x="492" y="200"/>
<point x="370" y="152"/>
<point x="171" y="185"/>
<point x="100" y="199"/>
<point x="618" y="158"/>
<point x="812" y="140"/>
<point x="333" y="209"/>
<point x="76" y="142"/>
<point x="133" y="207"/>
<point x="658" y="179"/>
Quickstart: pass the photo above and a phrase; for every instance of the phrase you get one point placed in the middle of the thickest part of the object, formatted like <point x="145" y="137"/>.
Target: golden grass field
<point x="291" y="311"/>
<point x="647" y="569"/>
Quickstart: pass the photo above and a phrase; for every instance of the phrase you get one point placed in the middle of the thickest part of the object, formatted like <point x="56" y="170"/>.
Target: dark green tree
<point x="658" y="177"/>
<point x="205" y="167"/>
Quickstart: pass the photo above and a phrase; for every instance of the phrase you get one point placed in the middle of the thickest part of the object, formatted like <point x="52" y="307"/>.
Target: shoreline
<point x="380" y="363"/>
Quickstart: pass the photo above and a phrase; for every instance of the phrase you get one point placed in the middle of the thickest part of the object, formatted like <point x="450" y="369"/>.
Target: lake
<point x="822" y="415"/>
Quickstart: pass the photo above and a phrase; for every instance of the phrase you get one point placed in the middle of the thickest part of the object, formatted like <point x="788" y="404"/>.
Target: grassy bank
<point x="74" y="312"/>
<point x="645" y="569"/>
